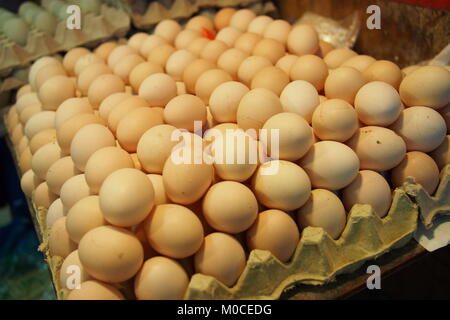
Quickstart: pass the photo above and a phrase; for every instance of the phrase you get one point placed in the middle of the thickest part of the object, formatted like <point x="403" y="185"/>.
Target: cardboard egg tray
<point x="318" y="259"/>
<point x="111" y="22"/>
<point x="180" y="9"/>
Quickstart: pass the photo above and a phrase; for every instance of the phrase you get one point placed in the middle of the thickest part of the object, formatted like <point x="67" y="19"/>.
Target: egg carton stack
<point x="95" y="136"/>
<point x="38" y="31"/>
<point x="155" y="11"/>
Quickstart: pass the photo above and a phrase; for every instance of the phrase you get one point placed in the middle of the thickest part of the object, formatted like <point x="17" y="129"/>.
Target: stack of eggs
<point x="94" y="138"/>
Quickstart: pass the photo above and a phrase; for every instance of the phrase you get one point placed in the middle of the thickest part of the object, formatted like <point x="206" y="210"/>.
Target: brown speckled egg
<point x="59" y="242"/>
<point x="141" y="72"/>
<point x="310" y="68"/>
<point x="421" y="167"/>
<point x="369" y="187"/>
<point x="111" y="254"/>
<point x="131" y="128"/>
<point x="323" y="210"/>
<point x="275" y="231"/>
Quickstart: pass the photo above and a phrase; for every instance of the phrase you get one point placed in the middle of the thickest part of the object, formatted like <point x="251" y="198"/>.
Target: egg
<point x="359" y="62"/>
<point x="239" y="213"/>
<point x="271" y="78"/>
<point x="158" y="187"/>
<point x="323" y="210"/>
<point x="324" y="48"/>
<point x="158" y="89"/>
<point x="85" y="61"/>
<point x="126" y="197"/>
<point x="111" y="254"/>
<point x="270" y="49"/>
<point x="105" y="49"/>
<point x="16" y="30"/>
<point x="230" y="61"/>
<point x="134" y="125"/>
<point x="84" y="215"/>
<point x="47" y="72"/>
<point x="54" y="212"/>
<point x="281" y="184"/>
<point x="161" y="278"/>
<point x="301" y="39"/>
<point x="208" y="81"/>
<point x="71" y="58"/>
<point x="441" y="154"/>
<point x="242" y="18"/>
<point x="182" y="111"/>
<point x="221" y="256"/>
<point x="185" y="183"/>
<point x="223" y="17"/>
<point x="59" y="243"/>
<point x="427" y="86"/>
<point x="268" y="105"/>
<point x="445" y="113"/>
<point x="161" y="53"/>
<point x="276" y="232"/>
<point x="259" y="24"/>
<point x="213" y="50"/>
<point x="26" y="100"/>
<point x="174" y="230"/>
<point x="194" y="70"/>
<point x="224" y="100"/>
<point x="197" y="45"/>
<point x="59" y="172"/>
<point x="141" y="72"/>
<point x="335" y="58"/>
<point x="279" y="30"/>
<point x="155" y="147"/>
<point x="343" y="83"/>
<point x="185" y="37"/>
<point x="67" y="269"/>
<point x="235" y="153"/>
<point x="335" y="119"/>
<point x="66" y="132"/>
<point x="102" y="87"/>
<point x="310" y="68"/>
<point x="369" y="187"/>
<point x="56" y="90"/>
<point x="250" y="66"/>
<point x="246" y="42"/>
<point x="124" y="67"/>
<point x="17" y="134"/>
<point x="23" y="144"/>
<point x="39" y="122"/>
<point x="88" y="75"/>
<point x="25" y="161"/>
<point x="421" y="167"/>
<point x="70" y="108"/>
<point x="42" y="196"/>
<point x="38" y="64"/>
<point x="228" y="35"/>
<point x="409" y="69"/>
<point x="300" y="97"/>
<point x="200" y="23"/>
<point x="286" y="62"/>
<point x="422" y="128"/>
<point x="44" y="157"/>
<point x="136" y="40"/>
<point x="294" y="139"/>
<point x="167" y="29"/>
<point x="177" y="63"/>
<point x="72" y="190"/>
<point x="377" y="103"/>
<point x="330" y="165"/>
<point x="378" y="148"/>
<point x="110" y="102"/>
<point x="384" y="70"/>
<point x="95" y="290"/>
<point x="29" y="182"/>
<point x="119" y="52"/>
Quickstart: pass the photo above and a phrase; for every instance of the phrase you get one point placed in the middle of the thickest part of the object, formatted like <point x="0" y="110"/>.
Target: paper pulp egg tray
<point x="318" y="259"/>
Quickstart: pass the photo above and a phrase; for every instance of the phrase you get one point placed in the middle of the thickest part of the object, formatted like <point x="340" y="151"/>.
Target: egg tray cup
<point x="180" y="9"/>
<point x="94" y="29"/>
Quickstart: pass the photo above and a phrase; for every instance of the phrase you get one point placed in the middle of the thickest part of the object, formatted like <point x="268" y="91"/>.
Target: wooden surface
<point x="409" y="34"/>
